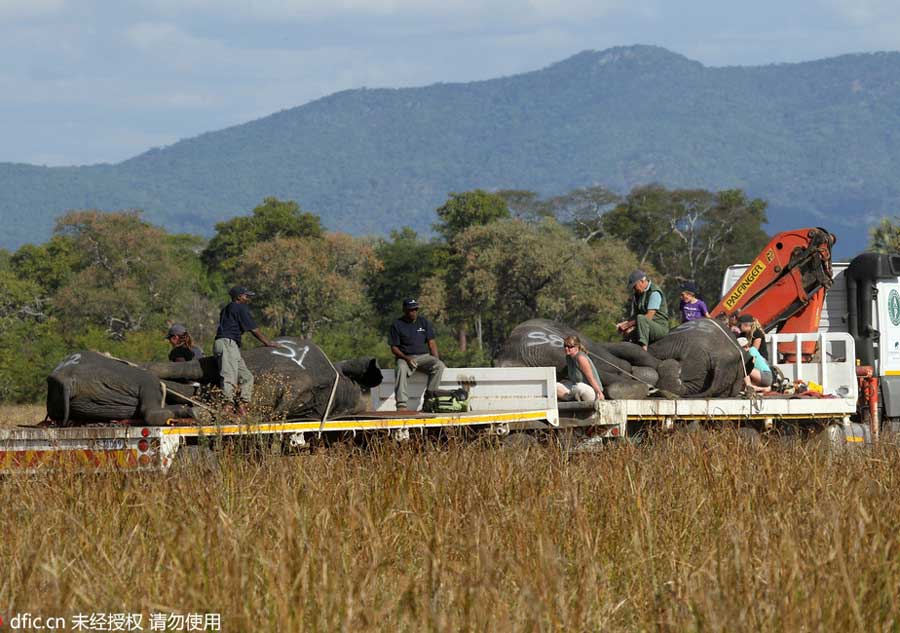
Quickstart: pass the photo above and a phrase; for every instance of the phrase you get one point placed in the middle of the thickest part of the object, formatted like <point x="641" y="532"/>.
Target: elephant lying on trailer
<point x="625" y="370"/>
<point x="712" y="364"/>
<point x="697" y="359"/>
<point x="92" y="387"/>
<point x="293" y="380"/>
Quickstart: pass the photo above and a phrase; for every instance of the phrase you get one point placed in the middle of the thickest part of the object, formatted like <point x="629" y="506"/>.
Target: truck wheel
<point x="196" y="459"/>
<point x="518" y="440"/>
<point x="749" y="436"/>
<point x="836" y="437"/>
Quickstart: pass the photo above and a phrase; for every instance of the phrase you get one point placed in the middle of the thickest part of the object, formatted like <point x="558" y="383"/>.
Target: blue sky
<point x="89" y="81"/>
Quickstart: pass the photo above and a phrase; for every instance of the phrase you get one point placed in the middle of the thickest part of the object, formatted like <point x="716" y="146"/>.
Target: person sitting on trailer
<point x="760" y="377"/>
<point x="691" y="306"/>
<point x="183" y="347"/>
<point x="413" y="344"/>
<point x="751" y="329"/>
<point x="583" y="381"/>
<point x="649" y="320"/>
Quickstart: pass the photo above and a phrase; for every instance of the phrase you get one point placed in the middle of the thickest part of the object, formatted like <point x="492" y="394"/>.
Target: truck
<point x="862" y="301"/>
<point x="786" y="284"/>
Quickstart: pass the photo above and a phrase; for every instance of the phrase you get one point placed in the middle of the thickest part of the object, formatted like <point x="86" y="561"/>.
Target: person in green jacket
<point x="649" y="320"/>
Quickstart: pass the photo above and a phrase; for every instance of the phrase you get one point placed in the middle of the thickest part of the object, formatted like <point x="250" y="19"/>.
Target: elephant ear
<point x="58" y="394"/>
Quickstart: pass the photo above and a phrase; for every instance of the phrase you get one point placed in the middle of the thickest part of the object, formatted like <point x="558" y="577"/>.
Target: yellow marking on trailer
<point x="853" y="438"/>
<point x="381" y="423"/>
<point x="892" y="372"/>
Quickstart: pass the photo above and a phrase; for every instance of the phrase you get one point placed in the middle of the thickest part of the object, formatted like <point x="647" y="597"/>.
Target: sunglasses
<point x="570" y="346"/>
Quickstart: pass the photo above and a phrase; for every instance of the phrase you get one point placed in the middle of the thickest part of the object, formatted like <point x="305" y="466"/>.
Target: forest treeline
<point x="114" y="282"/>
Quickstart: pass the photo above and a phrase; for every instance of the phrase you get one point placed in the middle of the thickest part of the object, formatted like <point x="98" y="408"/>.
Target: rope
<point x="753" y="396"/>
<point x="666" y="394"/>
<point x="337" y="378"/>
<point x="188" y="399"/>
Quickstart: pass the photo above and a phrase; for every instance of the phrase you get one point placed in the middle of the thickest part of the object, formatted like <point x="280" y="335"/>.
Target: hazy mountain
<point x="820" y="140"/>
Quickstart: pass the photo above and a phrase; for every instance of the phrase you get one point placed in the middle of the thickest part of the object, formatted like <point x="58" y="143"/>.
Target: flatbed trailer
<point x="502" y="402"/>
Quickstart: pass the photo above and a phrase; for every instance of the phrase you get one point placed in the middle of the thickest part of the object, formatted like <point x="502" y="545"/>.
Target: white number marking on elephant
<point x="542" y="338"/>
<point x="292" y="352"/>
<point x="71" y="360"/>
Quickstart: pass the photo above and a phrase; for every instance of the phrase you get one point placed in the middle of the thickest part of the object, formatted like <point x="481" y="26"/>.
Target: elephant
<point x="697" y="359"/>
<point x="90" y="387"/>
<point x="294" y="379"/>
<point x="625" y="369"/>
<point x="710" y="363"/>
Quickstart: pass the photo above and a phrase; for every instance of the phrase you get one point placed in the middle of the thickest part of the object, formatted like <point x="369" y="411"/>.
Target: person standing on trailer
<point x="649" y="320"/>
<point x="234" y="320"/>
<point x="691" y="306"/>
<point x="414" y="347"/>
<point x="583" y="382"/>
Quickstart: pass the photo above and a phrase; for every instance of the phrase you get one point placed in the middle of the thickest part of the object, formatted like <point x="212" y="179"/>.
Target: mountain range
<point x="819" y="140"/>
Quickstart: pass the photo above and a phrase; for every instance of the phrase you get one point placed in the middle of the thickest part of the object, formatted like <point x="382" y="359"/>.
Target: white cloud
<point x="269" y="10"/>
<point x="863" y="12"/>
<point x="28" y="9"/>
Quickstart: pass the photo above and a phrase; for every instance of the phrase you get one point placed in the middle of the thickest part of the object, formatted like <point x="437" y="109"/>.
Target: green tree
<point x="885" y="237"/>
<point x="513" y="271"/>
<point x="583" y="209"/>
<point x="471" y="208"/>
<point x="689" y="234"/>
<point x="127" y="276"/>
<point x="407" y="262"/>
<point x="272" y="219"/>
<point x="307" y="283"/>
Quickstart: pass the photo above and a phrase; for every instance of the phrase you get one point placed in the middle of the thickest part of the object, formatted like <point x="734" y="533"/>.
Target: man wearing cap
<point x="649" y="320"/>
<point x="411" y="338"/>
<point x="234" y="320"/>
<point x="183" y="347"/>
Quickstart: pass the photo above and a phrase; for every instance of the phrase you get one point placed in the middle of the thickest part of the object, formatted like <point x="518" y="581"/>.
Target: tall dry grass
<point x="700" y="532"/>
<point x="14" y="415"/>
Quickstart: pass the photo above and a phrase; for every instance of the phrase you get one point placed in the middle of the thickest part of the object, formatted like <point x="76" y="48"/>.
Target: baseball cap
<point x="742" y="341"/>
<point x="177" y="329"/>
<point x="237" y="291"/>
<point x="746" y="318"/>
<point x="635" y="277"/>
<point x="689" y="286"/>
<point x="410" y="304"/>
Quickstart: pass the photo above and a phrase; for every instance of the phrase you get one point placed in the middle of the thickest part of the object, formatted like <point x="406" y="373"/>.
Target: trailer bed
<point x="502" y="401"/>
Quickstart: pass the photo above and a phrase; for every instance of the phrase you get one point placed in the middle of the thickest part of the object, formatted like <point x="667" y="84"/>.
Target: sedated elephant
<point x="91" y="387"/>
<point x="711" y="363"/>
<point x="294" y="380"/>
<point x="697" y="359"/>
<point x="625" y="370"/>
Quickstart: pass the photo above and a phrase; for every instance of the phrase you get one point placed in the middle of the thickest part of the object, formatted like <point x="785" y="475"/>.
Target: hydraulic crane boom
<point x="785" y="284"/>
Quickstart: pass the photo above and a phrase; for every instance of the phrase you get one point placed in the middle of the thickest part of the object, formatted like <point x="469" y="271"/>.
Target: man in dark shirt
<point x="234" y="320"/>
<point x="411" y="338"/>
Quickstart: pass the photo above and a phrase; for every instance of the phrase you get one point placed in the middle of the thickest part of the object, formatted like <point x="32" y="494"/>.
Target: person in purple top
<point x="691" y="307"/>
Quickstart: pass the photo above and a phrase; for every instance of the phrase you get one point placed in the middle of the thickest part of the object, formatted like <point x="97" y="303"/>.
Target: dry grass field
<point x="697" y="532"/>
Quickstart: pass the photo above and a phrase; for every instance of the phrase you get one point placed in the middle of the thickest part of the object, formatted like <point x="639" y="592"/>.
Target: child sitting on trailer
<point x="760" y="377"/>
